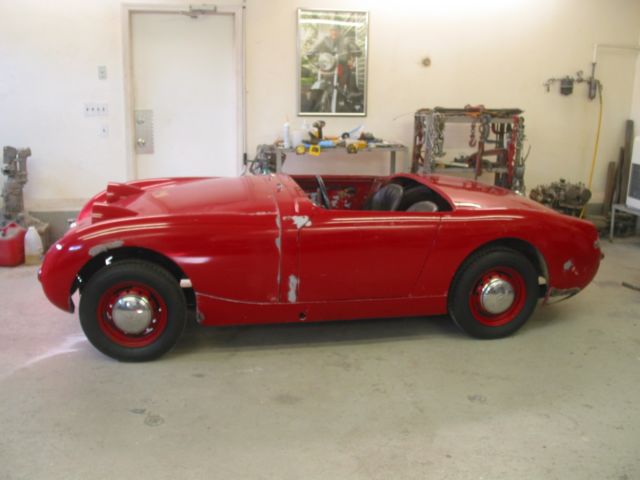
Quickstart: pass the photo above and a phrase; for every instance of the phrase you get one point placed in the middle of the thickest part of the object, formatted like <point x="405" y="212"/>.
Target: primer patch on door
<point x="300" y="221"/>
<point x="292" y="294"/>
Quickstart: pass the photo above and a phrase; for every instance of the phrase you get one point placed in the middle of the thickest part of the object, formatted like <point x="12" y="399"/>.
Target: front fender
<point x="227" y="255"/>
<point x="66" y="257"/>
<point x="58" y="274"/>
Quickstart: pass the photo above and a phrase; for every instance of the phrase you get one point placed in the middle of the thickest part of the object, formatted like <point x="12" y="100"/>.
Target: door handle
<point x="141" y="142"/>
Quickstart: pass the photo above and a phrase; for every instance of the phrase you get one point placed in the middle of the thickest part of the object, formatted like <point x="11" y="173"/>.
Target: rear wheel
<point x="494" y="293"/>
<point x="133" y="310"/>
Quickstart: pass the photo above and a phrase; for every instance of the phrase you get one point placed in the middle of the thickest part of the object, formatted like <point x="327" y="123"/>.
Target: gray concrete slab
<point x="392" y="399"/>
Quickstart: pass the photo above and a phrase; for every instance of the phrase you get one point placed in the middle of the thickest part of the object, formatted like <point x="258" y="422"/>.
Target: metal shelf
<point x="391" y="149"/>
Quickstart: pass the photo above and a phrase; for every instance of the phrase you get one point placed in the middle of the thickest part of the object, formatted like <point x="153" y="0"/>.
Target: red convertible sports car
<point x="278" y="248"/>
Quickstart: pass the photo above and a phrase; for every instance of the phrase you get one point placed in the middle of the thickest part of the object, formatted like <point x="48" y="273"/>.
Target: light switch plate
<point x="96" y="109"/>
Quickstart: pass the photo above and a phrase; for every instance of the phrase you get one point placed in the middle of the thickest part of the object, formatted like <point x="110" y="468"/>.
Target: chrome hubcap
<point x="497" y="296"/>
<point x="132" y="314"/>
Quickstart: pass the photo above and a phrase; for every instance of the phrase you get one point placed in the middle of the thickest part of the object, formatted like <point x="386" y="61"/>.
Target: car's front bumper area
<point x="555" y="295"/>
<point x="57" y="275"/>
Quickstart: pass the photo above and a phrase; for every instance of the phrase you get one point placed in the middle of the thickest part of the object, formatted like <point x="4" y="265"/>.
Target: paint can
<point x="12" y="245"/>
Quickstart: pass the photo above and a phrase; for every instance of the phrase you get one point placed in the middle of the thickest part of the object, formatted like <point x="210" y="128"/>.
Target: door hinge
<point x="203" y="9"/>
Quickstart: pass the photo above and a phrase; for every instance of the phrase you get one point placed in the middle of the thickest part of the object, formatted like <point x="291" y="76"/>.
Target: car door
<point x="357" y="255"/>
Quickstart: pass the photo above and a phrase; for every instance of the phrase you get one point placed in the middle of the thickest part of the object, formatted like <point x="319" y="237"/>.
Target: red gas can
<point x="12" y="245"/>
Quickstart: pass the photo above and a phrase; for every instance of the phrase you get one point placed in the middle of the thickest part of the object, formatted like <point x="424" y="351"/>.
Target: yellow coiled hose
<point x="595" y="147"/>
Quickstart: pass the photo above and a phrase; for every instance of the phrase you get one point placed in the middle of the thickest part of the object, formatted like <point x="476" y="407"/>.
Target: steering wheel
<point x="324" y="195"/>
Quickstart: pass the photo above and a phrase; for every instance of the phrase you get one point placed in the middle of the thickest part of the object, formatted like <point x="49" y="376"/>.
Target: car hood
<point x="182" y="196"/>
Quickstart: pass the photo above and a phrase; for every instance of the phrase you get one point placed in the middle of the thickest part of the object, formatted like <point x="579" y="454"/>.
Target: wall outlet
<point x="102" y="72"/>
<point x="96" y="109"/>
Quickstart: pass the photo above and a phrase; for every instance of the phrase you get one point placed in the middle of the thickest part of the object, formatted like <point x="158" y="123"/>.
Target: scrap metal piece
<point x="266" y="159"/>
<point x="632" y="287"/>
<point x="14" y="167"/>
<point x="562" y="196"/>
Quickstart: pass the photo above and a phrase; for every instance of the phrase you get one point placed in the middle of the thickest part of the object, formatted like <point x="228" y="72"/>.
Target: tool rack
<point x="497" y="135"/>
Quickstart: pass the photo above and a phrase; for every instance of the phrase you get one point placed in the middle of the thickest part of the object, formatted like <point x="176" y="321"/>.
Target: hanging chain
<point x="472" y="136"/>
<point x="520" y="138"/>
<point x="519" y="159"/>
<point x="434" y="140"/>
<point x="438" y="144"/>
<point x="485" y="124"/>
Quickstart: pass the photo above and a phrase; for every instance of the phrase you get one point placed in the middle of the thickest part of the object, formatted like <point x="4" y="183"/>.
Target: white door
<point x="185" y="95"/>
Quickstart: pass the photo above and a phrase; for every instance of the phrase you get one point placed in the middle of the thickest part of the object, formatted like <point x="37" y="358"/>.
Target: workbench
<point x="622" y="208"/>
<point x="391" y="149"/>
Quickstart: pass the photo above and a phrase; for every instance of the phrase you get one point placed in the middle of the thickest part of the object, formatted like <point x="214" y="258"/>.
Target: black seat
<point x="387" y="198"/>
<point x="413" y="194"/>
<point x="424" y="206"/>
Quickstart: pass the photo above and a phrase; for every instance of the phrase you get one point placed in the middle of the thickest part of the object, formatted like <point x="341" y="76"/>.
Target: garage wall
<point x="496" y="52"/>
<point x="635" y="103"/>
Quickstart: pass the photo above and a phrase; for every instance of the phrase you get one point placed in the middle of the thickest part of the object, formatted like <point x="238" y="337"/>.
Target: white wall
<point x="49" y="53"/>
<point x="635" y="102"/>
<point x="496" y="52"/>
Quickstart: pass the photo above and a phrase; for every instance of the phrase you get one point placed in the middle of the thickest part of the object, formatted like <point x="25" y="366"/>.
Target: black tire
<point x="324" y="104"/>
<point x="168" y="310"/>
<point x="466" y="307"/>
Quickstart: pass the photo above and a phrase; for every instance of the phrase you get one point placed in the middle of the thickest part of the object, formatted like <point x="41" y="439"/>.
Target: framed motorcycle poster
<point x="332" y="62"/>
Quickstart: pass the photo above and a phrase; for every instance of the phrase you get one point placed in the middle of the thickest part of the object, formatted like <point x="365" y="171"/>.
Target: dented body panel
<point x="256" y="249"/>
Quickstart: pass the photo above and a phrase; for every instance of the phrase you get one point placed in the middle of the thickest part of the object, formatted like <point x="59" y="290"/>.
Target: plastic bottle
<point x="32" y="247"/>
<point x="286" y="142"/>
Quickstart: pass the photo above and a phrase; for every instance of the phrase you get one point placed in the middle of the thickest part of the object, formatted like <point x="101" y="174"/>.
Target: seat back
<point x="387" y="198"/>
<point x="424" y="206"/>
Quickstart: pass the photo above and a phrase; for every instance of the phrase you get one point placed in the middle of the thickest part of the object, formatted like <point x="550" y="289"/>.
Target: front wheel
<point x="494" y="293"/>
<point x="133" y="310"/>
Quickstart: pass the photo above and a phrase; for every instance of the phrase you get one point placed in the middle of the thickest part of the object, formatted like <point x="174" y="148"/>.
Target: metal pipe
<point x="593" y="83"/>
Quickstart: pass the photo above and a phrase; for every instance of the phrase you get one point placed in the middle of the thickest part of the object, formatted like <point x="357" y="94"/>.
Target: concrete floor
<point x="395" y="399"/>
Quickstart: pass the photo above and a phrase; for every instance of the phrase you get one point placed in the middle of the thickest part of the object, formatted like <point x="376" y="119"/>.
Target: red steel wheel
<point x="493" y="293"/>
<point x="133" y="310"/>
<point x="132" y="314"/>
<point x="498" y="296"/>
